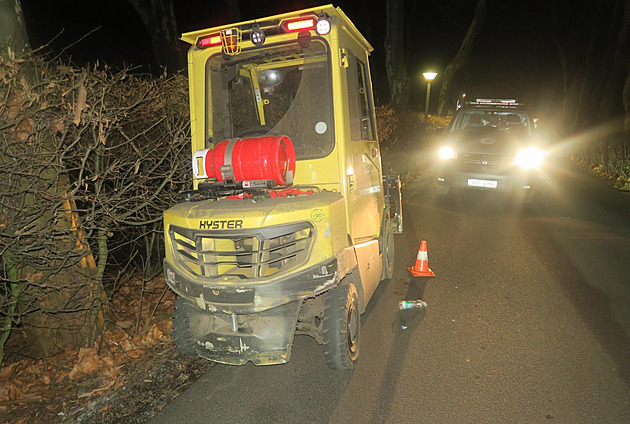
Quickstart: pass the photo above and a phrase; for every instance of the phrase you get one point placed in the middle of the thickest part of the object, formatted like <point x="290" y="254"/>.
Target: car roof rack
<point x="495" y="103"/>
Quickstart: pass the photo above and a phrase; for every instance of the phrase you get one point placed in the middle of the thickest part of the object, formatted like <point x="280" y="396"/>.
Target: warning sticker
<point x="317" y="215"/>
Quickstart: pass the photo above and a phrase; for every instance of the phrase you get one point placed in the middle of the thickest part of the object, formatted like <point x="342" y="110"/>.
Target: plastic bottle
<point x="412" y="304"/>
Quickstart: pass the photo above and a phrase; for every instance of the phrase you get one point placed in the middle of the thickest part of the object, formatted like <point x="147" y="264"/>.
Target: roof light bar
<point x="498" y="101"/>
<point x="300" y="24"/>
<point x="257" y="36"/>
<point x="209" y="41"/>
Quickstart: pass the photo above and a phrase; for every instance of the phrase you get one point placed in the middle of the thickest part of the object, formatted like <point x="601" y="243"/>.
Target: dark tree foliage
<point x="395" y="56"/>
<point x="457" y="62"/>
<point x="618" y="58"/>
<point x="592" y="39"/>
<point x="158" y="17"/>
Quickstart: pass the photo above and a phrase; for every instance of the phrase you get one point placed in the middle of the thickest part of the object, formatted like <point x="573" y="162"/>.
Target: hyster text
<point x="221" y="225"/>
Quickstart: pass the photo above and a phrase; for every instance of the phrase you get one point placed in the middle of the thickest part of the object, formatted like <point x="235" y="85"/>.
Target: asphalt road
<point x="528" y="322"/>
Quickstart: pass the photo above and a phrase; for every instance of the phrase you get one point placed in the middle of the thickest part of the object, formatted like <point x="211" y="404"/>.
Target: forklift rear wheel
<point x="388" y="254"/>
<point x="181" y="330"/>
<point x="342" y="325"/>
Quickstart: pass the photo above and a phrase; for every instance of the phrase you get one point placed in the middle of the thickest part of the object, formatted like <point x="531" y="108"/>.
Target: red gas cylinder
<point x="247" y="159"/>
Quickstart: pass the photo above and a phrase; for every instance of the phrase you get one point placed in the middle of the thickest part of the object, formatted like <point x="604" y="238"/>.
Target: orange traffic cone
<point x="421" y="267"/>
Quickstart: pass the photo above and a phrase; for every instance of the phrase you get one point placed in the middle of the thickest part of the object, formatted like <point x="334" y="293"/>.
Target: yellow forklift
<point x="289" y="226"/>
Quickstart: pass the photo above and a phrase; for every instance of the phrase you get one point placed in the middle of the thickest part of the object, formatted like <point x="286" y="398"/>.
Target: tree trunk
<point x="67" y="310"/>
<point x="626" y="103"/>
<point x="612" y="100"/>
<point x="462" y="54"/>
<point x="12" y="27"/>
<point x="562" y="46"/>
<point x="586" y="104"/>
<point x="13" y="295"/>
<point x="612" y="35"/>
<point x="158" y="17"/>
<point x="569" y="42"/>
<point x="395" y="60"/>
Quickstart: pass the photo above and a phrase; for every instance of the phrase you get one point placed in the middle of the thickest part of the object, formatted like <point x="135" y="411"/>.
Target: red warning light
<point x="301" y="24"/>
<point x="212" y="40"/>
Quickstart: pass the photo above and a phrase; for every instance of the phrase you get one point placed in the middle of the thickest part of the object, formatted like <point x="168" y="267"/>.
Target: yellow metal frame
<point x="336" y="171"/>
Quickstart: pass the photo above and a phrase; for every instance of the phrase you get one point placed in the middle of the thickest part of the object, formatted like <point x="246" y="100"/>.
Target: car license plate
<point x="482" y="183"/>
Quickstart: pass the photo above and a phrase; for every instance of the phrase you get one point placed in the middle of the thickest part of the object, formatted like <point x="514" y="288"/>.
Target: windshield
<point x="503" y="120"/>
<point x="281" y="90"/>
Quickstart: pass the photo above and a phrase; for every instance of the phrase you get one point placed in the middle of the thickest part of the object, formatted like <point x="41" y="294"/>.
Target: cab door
<point x="365" y="198"/>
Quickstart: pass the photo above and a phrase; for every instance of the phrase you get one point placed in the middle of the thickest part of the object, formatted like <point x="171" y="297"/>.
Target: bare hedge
<point x="89" y="160"/>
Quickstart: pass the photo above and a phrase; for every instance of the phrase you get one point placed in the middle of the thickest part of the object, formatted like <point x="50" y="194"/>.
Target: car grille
<point x="483" y="163"/>
<point x="241" y="254"/>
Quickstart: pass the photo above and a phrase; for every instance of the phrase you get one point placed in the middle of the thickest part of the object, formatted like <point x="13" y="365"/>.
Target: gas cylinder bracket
<point x="227" y="174"/>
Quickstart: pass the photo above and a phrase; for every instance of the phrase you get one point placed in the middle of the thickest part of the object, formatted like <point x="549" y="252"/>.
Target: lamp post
<point x="428" y="76"/>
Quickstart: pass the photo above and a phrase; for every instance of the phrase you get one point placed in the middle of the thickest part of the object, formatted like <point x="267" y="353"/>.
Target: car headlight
<point x="529" y="158"/>
<point x="447" y="153"/>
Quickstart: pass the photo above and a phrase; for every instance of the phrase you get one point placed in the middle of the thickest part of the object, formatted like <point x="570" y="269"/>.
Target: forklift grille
<point x="241" y="254"/>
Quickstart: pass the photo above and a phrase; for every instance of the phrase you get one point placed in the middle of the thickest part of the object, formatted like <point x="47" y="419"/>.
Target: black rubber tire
<point x="182" y="337"/>
<point x="389" y="254"/>
<point x="342" y="327"/>
<point x="442" y="191"/>
<point x="520" y="202"/>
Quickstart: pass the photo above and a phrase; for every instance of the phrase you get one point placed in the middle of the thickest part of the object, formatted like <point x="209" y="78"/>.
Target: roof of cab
<point x="193" y="36"/>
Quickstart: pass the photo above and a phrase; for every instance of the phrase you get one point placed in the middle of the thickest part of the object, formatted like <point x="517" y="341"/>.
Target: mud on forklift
<point x="289" y="226"/>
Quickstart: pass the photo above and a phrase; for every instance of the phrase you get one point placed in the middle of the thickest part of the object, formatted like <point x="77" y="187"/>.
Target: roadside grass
<point x="608" y="160"/>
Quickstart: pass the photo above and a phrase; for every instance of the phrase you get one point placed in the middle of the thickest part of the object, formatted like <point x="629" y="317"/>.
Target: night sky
<point x="514" y="55"/>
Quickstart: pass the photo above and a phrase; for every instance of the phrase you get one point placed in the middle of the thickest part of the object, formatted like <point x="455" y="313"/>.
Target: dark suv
<point x="489" y="145"/>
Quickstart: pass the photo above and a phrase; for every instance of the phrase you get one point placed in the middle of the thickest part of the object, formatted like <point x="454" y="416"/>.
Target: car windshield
<point x="502" y="120"/>
<point x="281" y="90"/>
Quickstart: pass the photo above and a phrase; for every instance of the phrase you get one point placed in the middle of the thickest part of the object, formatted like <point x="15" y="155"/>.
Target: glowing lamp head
<point x="429" y="76"/>
<point x="529" y="158"/>
<point x="210" y="41"/>
<point x="323" y="26"/>
<point x="447" y="152"/>
<point x="257" y="37"/>
<point x="300" y="24"/>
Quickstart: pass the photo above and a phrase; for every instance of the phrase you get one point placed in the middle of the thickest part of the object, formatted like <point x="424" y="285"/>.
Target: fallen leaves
<point x="76" y="377"/>
<point x="88" y="362"/>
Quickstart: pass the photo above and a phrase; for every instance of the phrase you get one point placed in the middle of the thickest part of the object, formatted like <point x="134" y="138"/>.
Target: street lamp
<point x="428" y="76"/>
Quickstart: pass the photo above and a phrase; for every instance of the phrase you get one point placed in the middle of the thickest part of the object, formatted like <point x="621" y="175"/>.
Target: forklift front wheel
<point x="342" y="325"/>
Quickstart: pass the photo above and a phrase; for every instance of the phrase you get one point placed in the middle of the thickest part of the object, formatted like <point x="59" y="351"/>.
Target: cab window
<point x="361" y="121"/>
<point x="279" y="90"/>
